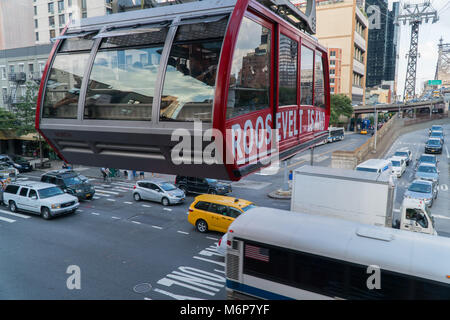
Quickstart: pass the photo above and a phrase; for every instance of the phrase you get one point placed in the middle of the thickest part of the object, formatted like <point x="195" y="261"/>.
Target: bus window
<point x="306" y="74"/>
<point x="64" y="81"/>
<point x="287" y="71"/>
<point x="319" y="91"/>
<point x="190" y="78"/>
<point x="122" y="81"/>
<point x="249" y="88"/>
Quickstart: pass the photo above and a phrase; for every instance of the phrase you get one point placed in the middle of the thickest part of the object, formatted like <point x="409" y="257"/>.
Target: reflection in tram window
<point x="306" y="75"/>
<point x="63" y="86"/>
<point x="288" y="71"/>
<point x="190" y="78"/>
<point x="319" y="94"/>
<point x="122" y="82"/>
<point x="249" y="88"/>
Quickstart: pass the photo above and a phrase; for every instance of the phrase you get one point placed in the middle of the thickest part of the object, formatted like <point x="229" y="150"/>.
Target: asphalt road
<point x="139" y="250"/>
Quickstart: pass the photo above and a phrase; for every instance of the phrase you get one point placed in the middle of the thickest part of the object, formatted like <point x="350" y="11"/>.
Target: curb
<point x="280" y="195"/>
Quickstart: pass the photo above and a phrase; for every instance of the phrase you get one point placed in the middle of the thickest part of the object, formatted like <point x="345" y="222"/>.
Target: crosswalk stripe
<point x="102" y="194"/>
<point x="15" y="214"/>
<point x="130" y="185"/>
<point x="122" y="189"/>
<point x="104" y="191"/>
<point x="7" y="220"/>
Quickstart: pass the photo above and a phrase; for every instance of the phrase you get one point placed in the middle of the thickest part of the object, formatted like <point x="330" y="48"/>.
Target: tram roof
<point x="407" y="252"/>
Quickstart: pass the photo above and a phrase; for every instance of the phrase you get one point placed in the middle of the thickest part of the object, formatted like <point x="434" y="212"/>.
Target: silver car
<point x="427" y="171"/>
<point x="159" y="191"/>
<point x="422" y="190"/>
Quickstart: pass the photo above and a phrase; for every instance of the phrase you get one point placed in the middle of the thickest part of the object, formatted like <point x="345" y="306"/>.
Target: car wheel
<point x="46" y="213"/>
<point x="201" y="225"/>
<point x="12" y="206"/>
<point x="165" y="202"/>
<point x="137" y="197"/>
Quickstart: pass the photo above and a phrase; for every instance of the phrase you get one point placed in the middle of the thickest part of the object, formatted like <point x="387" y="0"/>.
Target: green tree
<point x="340" y="105"/>
<point x="8" y="121"/>
<point x="25" y="110"/>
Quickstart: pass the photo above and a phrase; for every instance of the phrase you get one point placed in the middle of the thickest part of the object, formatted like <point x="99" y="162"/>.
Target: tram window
<point x="63" y="86"/>
<point x="190" y="78"/>
<point x="77" y="44"/>
<point x="306" y="75"/>
<point x="287" y="71"/>
<point x="319" y="90"/>
<point x="249" y="88"/>
<point x="122" y="82"/>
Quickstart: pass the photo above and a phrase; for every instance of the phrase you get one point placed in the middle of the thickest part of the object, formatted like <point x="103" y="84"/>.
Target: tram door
<point x="287" y="115"/>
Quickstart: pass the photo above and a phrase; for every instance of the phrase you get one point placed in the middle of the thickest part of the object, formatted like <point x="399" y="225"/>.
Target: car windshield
<point x="211" y="180"/>
<point x="49" y="192"/>
<point x="436" y="134"/>
<point x="427" y="169"/>
<point x="401" y="154"/>
<point x="433" y="128"/>
<point x="72" y="181"/>
<point x="420" y="187"/>
<point x="250" y="206"/>
<point x="366" y="169"/>
<point x="395" y="163"/>
<point x="434" y="142"/>
<point x="166" y="186"/>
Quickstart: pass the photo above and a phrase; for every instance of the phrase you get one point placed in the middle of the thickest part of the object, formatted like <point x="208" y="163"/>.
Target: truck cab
<point x="416" y="217"/>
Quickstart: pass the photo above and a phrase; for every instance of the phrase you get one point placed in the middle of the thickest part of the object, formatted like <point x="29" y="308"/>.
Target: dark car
<point x="437" y="135"/>
<point x="71" y="182"/>
<point x="433" y="146"/>
<point x="202" y="185"/>
<point x="17" y="162"/>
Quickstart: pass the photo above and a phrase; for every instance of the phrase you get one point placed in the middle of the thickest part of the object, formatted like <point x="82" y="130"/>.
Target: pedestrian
<point x="142" y="174"/>
<point x="103" y="170"/>
<point x="125" y="174"/>
<point x="134" y="174"/>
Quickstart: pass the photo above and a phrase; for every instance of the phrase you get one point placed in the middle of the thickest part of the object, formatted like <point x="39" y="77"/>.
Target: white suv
<point x="398" y="165"/>
<point x="44" y="199"/>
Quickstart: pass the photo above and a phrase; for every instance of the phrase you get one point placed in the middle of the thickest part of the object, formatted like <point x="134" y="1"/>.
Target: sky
<point x="429" y="35"/>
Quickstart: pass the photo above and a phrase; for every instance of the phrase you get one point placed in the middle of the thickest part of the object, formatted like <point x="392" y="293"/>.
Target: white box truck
<point x="364" y="197"/>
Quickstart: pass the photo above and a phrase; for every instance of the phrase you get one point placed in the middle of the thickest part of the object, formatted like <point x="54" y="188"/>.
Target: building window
<point x="84" y="15"/>
<point x="3" y="72"/>
<point x="21" y="67"/>
<point x="37" y="36"/>
<point x="332" y="53"/>
<point x="249" y="88"/>
<point x="51" y="21"/>
<point x="51" y="8"/>
<point x="331" y="80"/>
<point x="306" y="74"/>
<point x="62" y="19"/>
<point x="332" y="62"/>
<point x="288" y="71"/>
<point x="61" y="6"/>
<point x="52" y="34"/>
<point x="36" y="24"/>
<point x="69" y="3"/>
<point x="35" y="10"/>
<point x="332" y="71"/>
<point x="11" y="69"/>
<point x="31" y="68"/>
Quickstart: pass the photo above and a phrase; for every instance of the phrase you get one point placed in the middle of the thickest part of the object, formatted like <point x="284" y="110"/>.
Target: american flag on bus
<point x="257" y="253"/>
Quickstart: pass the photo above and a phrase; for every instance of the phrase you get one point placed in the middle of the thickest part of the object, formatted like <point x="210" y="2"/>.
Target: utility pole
<point x="414" y="14"/>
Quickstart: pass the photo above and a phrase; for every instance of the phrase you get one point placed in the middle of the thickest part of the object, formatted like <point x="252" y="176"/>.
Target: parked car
<point x="422" y="190"/>
<point x="216" y="213"/>
<point x="202" y="185"/>
<point x="8" y="171"/>
<point x="438" y="135"/>
<point x="427" y="171"/>
<point x="70" y="182"/>
<point x="159" y="191"/>
<point x="433" y="146"/>
<point x="398" y="166"/>
<point x="39" y="198"/>
<point x="427" y="158"/>
<point x="17" y="162"/>
<point x="404" y="153"/>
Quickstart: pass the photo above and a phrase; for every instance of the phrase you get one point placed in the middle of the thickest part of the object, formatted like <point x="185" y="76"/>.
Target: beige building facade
<point x="16" y="24"/>
<point x="343" y="24"/>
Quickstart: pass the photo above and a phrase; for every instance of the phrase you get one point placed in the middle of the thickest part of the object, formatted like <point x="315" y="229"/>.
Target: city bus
<point x="278" y="254"/>
<point x="237" y="82"/>
<point x="335" y="134"/>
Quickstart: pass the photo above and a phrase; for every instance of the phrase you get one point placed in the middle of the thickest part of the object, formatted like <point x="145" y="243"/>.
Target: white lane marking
<point x="7" y="220"/>
<point x="222" y="264"/>
<point x="129" y="185"/>
<point x="220" y="271"/>
<point x="167" y="209"/>
<point x="102" y="194"/>
<point x="122" y="189"/>
<point x="448" y="155"/>
<point x="96" y="197"/>
<point x="108" y="192"/>
<point x="211" y="238"/>
<point x="80" y="210"/>
<point x="440" y="217"/>
<point x="128" y="202"/>
<point x="111" y="200"/>
<point x="146" y="205"/>
<point x="136" y="222"/>
<point x="156" y="227"/>
<point x="117" y="218"/>
<point x="95" y="213"/>
<point x="182" y="232"/>
<point x="15" y="214"/>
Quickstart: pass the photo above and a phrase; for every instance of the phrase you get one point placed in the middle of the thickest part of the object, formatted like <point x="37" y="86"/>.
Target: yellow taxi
<point x="216" y="213"/>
